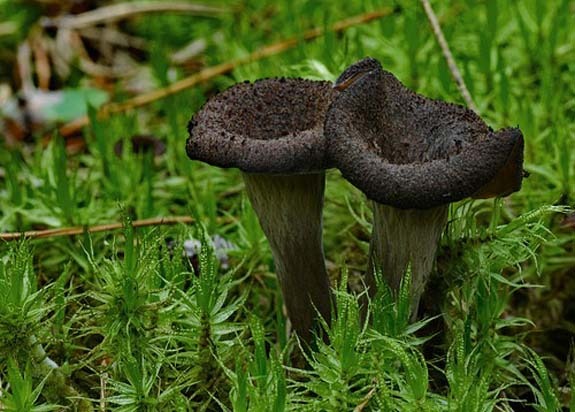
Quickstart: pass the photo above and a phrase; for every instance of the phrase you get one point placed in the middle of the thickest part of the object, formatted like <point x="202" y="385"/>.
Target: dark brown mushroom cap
<point x="407" y="151"/>
<point x="270" y="126"/>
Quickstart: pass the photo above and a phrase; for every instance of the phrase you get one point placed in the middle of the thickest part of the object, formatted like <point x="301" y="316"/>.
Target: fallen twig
<point x="455" y="73"/>
<point x="103" y="391"/>
<point x="78" y="230"/>
<point x="113" y="36"/>
<point x="95" y="69"/>
<point x="365" y="401"/>
<point x="220" y="69"/>
<point x="121" y="11"/>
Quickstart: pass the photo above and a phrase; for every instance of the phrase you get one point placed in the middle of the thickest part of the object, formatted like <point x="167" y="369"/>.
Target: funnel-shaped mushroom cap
<point x="407" y="151"/>
<point x="270" y="126"/>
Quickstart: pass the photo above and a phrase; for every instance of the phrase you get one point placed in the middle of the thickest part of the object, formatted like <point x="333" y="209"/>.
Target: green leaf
<point x="72" y="104"/>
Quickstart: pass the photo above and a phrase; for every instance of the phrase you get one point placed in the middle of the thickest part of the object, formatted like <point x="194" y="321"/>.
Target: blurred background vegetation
<point x="140" y="319"/>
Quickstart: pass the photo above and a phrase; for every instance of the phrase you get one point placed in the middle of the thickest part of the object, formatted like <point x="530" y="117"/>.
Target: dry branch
<point x="455" y="73"/>
<point x="211" y="72"/>
<point x="114" y="37"/>
<point x="365" y="401"/>
<point x="78" y="230"/>
<point x="115" y="12"/>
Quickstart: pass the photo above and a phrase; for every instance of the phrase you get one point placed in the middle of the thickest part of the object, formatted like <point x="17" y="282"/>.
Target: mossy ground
<point x="133" y="328"/>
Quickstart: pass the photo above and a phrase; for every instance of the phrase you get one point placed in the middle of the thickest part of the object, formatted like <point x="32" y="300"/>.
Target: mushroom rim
<point x="424" y="185"/>
<point x="299" y="153"/>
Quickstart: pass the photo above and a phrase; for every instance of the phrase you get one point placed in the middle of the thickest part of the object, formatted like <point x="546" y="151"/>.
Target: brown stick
<point x="120" y="11"/>
<point x="220" y="69"/>
<point x="78" y="230"/>
<point x="455" y="73"/>
<point x="365" y="401"/>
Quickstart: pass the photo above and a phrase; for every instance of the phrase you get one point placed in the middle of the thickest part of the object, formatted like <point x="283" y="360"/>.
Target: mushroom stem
<point x="289" y="209"/>
<point x="401" y="236"/>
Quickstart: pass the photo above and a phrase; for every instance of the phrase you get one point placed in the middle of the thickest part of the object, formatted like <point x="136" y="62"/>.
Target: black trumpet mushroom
<point x="413" y="156"/>
<point x="272" y="130"/>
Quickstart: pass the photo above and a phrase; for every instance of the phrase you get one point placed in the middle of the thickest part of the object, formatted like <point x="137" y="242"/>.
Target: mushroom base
<point x="289" y="209"/>
<point x="401" y="236"/>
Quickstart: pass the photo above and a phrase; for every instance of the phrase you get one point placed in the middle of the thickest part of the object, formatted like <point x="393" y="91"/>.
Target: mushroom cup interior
<point x="273" y="108"/>
<point x="270" y="126"/>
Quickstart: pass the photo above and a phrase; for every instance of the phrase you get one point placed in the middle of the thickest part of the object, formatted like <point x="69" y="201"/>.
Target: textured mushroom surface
<point x="270" y="126"/>
<point x="408" y="151"/>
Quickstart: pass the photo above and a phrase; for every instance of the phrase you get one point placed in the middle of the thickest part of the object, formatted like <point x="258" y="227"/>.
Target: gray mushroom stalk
<point x="272" y="130"/>
<point x="413" y="156"/>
